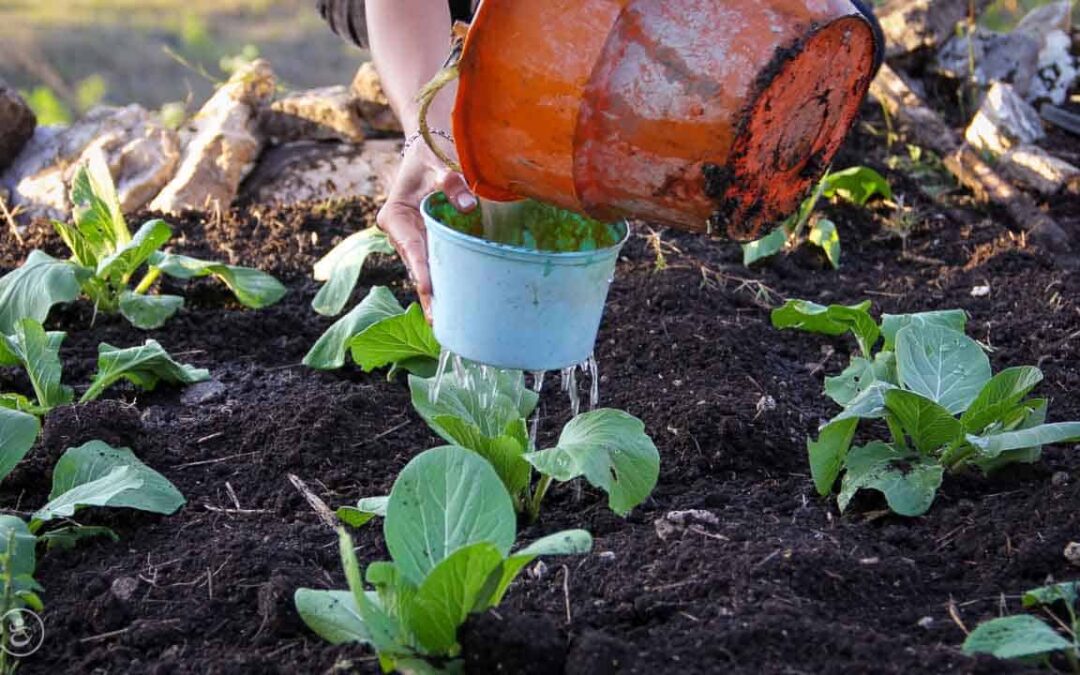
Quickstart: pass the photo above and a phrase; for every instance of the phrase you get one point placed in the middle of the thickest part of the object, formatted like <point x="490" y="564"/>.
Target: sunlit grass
<point x="161" y="14"/>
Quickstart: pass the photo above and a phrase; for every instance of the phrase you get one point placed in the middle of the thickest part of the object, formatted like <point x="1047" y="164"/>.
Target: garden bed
<point x="783" y="583"/>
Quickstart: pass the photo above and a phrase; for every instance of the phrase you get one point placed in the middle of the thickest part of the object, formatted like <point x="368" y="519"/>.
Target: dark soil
<point x="784" y="584"/>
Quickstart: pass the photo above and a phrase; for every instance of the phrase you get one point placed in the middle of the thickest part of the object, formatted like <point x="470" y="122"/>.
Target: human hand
<point x="420" y="174"/>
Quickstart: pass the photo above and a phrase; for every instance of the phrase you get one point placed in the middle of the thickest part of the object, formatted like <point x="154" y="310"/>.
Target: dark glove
<point x="879" y="36"/>
<point x="346" y="19"/>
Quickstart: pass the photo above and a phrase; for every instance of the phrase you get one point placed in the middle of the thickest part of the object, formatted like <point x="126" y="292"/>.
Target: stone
<point x="1072" y="553"/>
<point x="17" y="122"/>
<point x="1037" y="169"/>
<point x="310" y="171"/>
<point x="371" y="101"/>
<point x="141" y="153"/>
<point x="675" y="522"/>
<point x="1009" y="57"/>
<point x="1056" y="71"/>
<point x="1004" y="120"/>
<point x="221" y="145"/>
<point x="1050" y="17"/>
<point x="123" y="588"/>
<point x="911" y="25"/>
<point x="202" y="393"/>
<point x="329" y="113"/>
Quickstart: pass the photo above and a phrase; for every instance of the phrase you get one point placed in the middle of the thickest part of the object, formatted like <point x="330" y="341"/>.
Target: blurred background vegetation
<point x="69" y="55"/>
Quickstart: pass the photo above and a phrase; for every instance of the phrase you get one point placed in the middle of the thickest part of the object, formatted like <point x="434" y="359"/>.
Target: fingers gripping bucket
<point x="673" y="111"/>
<point x="512" y="307"/>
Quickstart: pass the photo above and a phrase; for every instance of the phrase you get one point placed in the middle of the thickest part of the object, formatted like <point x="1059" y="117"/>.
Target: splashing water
<point x="570" y="386"/>
<point x="594" y="381"/>
<point x="502" y="220"/>
<point x="440" y="373"/>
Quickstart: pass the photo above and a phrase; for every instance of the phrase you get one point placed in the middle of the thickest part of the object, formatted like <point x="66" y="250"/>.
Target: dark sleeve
<point x="348" y="20"/>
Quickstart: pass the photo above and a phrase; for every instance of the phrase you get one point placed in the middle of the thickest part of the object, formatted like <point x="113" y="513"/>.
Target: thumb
<point x="457" y="191"/>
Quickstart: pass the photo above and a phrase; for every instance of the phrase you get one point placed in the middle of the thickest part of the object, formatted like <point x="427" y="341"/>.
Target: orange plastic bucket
<point x="680" y="112"/>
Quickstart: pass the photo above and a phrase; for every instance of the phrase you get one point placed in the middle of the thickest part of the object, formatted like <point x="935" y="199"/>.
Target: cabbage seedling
<point x="933" y="388"/>
<point x="450" y="528"/>
<point x="105" y="260"/>
<point x="1027" y="637"/>
<point x="340" y="269"/>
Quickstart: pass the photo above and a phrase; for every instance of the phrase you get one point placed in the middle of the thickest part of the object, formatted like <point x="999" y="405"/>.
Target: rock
<point x="910" y="25"/>
<point x="371" y="101"/>
<point x="139" y="150"/>
<point x="1035" y="168"/>
<point x="1050" y="17"/>
<point x="202" y="393"/>
<point x="676" y="522"/>
<point x="317" y="114"/>
<point x="1072" y="553"/>
<point x="1004" y="120"/>
<point x="310" y="171"/>
<point x="1012" y="58"/>
<point x="221" y="145"/>
<point x="17" y="122"/>
<point x="1057" y="69"/>
<point x="123" y="588"/>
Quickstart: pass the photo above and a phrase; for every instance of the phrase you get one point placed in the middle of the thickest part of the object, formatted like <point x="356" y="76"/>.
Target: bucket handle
<point x="449" y="72"/>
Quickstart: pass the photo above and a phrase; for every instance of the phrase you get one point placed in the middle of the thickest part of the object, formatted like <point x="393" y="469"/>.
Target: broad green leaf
<point x="858" y="185"/>
<point x="253" y="288"/>
<point x="67" y="538"/>
<point x="332" y="615"/>
<point x="868" y="405"/>
<point x="394" y="339"/>
<point x="39" y="354"/>
<point x="144" y="366"/>
<point x="766" y="247"/>
<point x="96" y="208"/>
<point x="1015" y="637"/>
<point x="824" y="235"/>
<point x="859" y="375"/>
<point x="1068" y="592"/>
<point x="832" y="320"/>
<point x="30" y="291"/>
<point x="385" y="632"/>
<point x="18" y="431"/>
<point x="19" y="546"/>
<point x="941" y="364"/>
<point x="1033" y="414"/>
<point x="611" y="450"/>
<point x="567" y="542"/>
<point x="999" y="396"/>
<point x="908" y="483"/>
<point x="449" y="593"/>
<point x="366" y="510"/>
<point x="340" y="269"/>
<point x="891" y="324"/>
<point x="489" y="399"/>
<point x="929" y="426"/>
<point x="1045" y="434"/>
<point x="506" y="453"/>
<point x="828" y="452"/>
<point x="329" y="352"/>
<point x="149" y="312"/>
<point x="96" y="474"/>
<point x="119" y="266"/>
<point x="444" y="500"/>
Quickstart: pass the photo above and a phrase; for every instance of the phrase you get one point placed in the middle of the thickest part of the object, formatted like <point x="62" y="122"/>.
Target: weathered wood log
<point x="927" y="129"/>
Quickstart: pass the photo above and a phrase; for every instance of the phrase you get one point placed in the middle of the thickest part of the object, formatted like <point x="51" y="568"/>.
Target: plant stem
<point x="151" y="276"/>
<point x="538" y="497"/>
<point x="956" y="453"/>
<point x="897" y="433"/>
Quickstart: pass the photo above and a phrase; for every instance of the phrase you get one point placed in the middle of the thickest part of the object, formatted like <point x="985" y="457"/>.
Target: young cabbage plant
<point x="486" y="410"/>
<point x="450" y="528"/>
<point x="38" y="353"/>
<point x="932" y="386"/>
<point x="106" y="259"/>
<point x="340" y="269"/>
<point x="857" y="185"/>
<point x="1029" y="638"/>
<point x="91" y="475"/>
<point x="377" y="333"/>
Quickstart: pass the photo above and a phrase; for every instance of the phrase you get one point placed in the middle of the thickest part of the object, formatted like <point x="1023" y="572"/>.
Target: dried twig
<point x="318" y="505"/>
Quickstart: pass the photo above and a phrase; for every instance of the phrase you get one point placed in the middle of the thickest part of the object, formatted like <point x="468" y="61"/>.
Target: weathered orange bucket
<point x="682" y="112"/>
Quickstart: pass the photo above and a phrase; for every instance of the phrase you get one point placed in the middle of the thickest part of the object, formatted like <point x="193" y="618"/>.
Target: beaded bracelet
<point x="413" y="138"/>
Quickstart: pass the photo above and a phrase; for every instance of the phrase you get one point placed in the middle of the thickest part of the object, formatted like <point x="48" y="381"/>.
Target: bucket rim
<point x="507" y="251"/>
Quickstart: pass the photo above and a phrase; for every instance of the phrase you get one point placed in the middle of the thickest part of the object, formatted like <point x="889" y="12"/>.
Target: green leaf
<point x="567" y="542"/>
<point x="144" y="366"/>
<point x="941" y="364"/>
<point x="929" y="426"/>
<point x="329" y="352"/>
<point x="332" y="615"/>
<point x="999" y="396"/>
<point x="488" y="399"/>
<point x="96" y="208"/>
<point x="444" y="500"/>
<point x="18" y="431"/>
<point x="832" y="320"/>
<point x="611" y="450"/>
<point x="18" y="545"/>
<point x="1045" y="434"/>
<point x="1033" y="414"/>
<point x="253" y="288"/>
<point x="67" y="538"/>
<point x="859" y="375"/>
<point x="119" y="266"/>
<point x="766" y="247"/>
<point x="39" y="353"/>
<point x="506" y="453"/>
<point x="1015" y="637"/>
<point x="868" y="405"/>
<point x="96" y="474"/>
<point x="824" y="235"/>
<point x="81" y="249"/>
<point x="365" y="511"/>
<point x="858" y="185"/>
<point x="449" y="593"/>
<point x="891" y="324"/>
<point x="908" y="483"/>
<point x="395" y="339"/>
<point x="149" y="312"/>
<point x="1068" y="592"/>
<point x="385" y="631"/>
<point x="340" y="269"/>
<point x="30" y="291"/>
<point x="828" y="452"/>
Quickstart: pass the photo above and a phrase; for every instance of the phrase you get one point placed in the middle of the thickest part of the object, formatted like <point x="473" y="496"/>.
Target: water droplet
<point x="440" y="373"/>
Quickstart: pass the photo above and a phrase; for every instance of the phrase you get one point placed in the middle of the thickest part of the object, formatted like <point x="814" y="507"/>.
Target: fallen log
<point x="927" y="129"/>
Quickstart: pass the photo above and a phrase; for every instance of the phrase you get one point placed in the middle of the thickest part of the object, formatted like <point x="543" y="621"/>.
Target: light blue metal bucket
<point x="512" y="307"/>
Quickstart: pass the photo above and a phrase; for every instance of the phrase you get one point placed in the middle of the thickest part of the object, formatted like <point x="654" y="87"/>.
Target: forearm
<point x="410" y="40"/>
